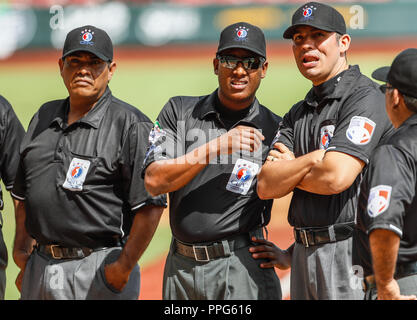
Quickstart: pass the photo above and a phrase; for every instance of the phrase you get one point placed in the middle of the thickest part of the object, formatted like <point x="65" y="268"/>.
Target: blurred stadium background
<point x="165" y="48"/>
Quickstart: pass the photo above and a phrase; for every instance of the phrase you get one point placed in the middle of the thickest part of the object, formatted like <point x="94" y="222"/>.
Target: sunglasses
<point x="231" y="62"/>
<point x="385" y="87"/>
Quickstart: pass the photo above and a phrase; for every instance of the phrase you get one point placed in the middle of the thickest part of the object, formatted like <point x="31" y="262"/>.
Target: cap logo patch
<point x="308" y="11"/>
<point x="241" y="33"/>
<point x="86" y="37"/>
<point x="379" y="199"/>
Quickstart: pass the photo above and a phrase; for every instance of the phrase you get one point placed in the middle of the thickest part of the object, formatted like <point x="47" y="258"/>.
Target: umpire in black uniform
<point x="11" y="135"/>
<point x="340" y="116"/>
<point x="206" y="152"/>
<point x="388" y="202"/>
<point x="82" y="202"/>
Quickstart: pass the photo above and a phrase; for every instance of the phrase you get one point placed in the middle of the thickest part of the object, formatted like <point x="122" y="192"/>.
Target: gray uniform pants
<point x="46" y="278"/>
<point x="235" y="277"/>
<point x="324" y="272"/>
<point x="408" y="286"/>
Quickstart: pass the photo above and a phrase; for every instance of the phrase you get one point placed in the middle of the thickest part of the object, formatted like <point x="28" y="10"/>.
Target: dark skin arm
<point x="23" y="242"/>
<point x="166" y="176"/>
<point x="277" y="257"/>
<point x="384" y="248"/>
<point x="143" y="228"/>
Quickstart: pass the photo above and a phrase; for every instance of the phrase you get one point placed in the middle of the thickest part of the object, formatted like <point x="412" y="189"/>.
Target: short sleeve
<point x="163" y="141"/>
<point x="390" y="191"/>
<point x="285" y="133"/>
<point x="11" y="136"/>
<point x="361" y="123"/>
<point x="133" y="155"/>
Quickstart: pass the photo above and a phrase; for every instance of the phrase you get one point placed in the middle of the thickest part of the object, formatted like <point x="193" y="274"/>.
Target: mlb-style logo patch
<point x="379" y="199"/>
<point x="241" y="33"/>
<point x="87" y="36"/>
<point x="360" y="130"/>
<point x="308" y="11"/>
<point x="76" y="174"/>
<point x="156" y="133"/>
<point x="242" y="176"/>
<point x="326" y="135"/>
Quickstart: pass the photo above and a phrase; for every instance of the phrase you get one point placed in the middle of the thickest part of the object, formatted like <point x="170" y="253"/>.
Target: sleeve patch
<point x="156" y="133"/>
<point x="379" y="199"/>
<point x="360" y="130"/>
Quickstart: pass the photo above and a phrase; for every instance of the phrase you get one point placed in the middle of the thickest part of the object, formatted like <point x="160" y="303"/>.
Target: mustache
<point x="86" y="79"/>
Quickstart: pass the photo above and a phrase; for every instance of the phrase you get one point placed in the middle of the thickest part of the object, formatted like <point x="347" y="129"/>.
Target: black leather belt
<point x="211" y="251"/>
<point x="315" y="236"/>
<point x="58" y="252"/>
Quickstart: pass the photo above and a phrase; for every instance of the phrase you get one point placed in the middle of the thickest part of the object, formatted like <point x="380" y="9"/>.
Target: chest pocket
<point x="80" y="173"/>
<point x="323" y="126"/>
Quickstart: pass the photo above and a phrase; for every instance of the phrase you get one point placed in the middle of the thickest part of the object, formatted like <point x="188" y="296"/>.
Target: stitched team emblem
<point x="241" y="178"/>
<point x="308" y="11"/>
<point x="87" y="36"/>
<point x="379" y="199"/>
<point x="360" y="130"/>
<point x="326" y="135"/>
<point x="156" y="133"/>
<point x="241" y="33"/>
<point x="76" y="174"/>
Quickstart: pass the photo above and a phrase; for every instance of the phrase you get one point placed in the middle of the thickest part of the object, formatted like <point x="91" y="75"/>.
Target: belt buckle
<point x="206" y="252"/>
<point x="52" y="246"/>
<point x="304" y="233"/>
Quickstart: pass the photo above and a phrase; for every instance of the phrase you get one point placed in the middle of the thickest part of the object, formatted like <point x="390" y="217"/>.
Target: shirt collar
<point x="344" y="81"/>
<point x="207" y="108"/>
<point x="92" y="118"/>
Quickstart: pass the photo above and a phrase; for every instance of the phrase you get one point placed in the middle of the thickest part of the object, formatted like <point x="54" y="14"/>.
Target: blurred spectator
<point x="48" y="3"/>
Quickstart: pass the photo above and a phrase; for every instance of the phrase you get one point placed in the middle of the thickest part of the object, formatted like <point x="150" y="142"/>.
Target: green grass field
<point x="148" y="86"/>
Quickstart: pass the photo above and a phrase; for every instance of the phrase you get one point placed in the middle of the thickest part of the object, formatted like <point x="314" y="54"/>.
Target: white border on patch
<point x="356" y="130"/>
<point x="374" y="200"/>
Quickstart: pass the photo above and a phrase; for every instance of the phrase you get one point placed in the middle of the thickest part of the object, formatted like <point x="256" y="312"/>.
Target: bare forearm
<point x="319" y="181"/>
<point x="143" y="228"/>
<point x="334" y="174"/>
<point x="169" y="175"/>
<point x="384" y="248"/>
<point x="23" y="243"/>
<point x="278" y="178"/>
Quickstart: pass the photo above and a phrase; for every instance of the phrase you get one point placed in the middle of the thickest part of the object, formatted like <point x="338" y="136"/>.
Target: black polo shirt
<point x="11" y="135"/>
<point x="82" y="183"/>
<point x="221" y="201"/>
<point x="346" y="114"/>
<point x="388" y="195"/>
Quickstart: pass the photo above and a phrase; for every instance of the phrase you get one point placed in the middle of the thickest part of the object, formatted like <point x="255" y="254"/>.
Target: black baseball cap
<point x="91" y="39"/>
<point x="317" y="15"/>
<point x="402" y="74"/>
<point x="243" y="35"/>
